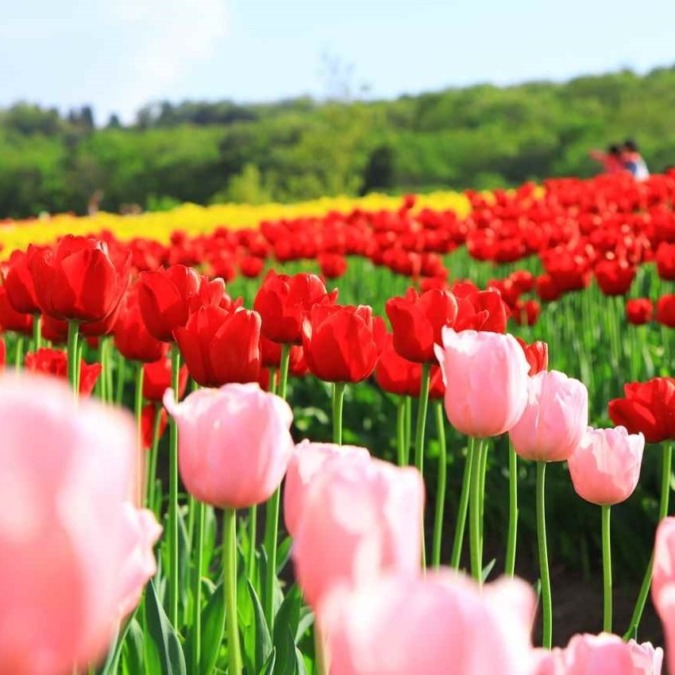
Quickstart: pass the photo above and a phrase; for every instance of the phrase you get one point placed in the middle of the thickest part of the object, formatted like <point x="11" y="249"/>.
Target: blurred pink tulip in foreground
<point x="438" y="624"/>
<point x="360" y="520"/>
<point x="75" y="553"/>
<point x="307" y="461"/>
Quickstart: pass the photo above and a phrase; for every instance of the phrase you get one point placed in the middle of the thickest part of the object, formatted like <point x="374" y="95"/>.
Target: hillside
<point x="482" y="136"/>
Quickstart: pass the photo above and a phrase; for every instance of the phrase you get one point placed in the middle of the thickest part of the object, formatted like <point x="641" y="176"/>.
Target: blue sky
<point x="119" y="54"/>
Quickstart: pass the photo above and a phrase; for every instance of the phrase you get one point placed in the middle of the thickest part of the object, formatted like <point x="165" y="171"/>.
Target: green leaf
<point x="288" y="663"/>
<point x="306" y="622"/>
<point x="268" y="668"/>
<point x="488" y="568"/>
<point x="263" y="641"/>
<point x="300" y="660"/>
<point x="283" y="554"/>
<point x="134" y="649"/>
<point x="287" y="620"/>
<point x="213" y="628"/>
<point x="164" y="636"/>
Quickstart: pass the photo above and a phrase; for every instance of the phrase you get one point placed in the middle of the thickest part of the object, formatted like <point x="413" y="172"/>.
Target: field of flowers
<point x="469" y="400"/>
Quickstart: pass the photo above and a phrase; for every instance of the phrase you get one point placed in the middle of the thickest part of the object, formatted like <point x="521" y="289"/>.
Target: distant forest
<point x="481" y="137"/>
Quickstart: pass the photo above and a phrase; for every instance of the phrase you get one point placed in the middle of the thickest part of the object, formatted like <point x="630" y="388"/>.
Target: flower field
<point x="348" y="437"/>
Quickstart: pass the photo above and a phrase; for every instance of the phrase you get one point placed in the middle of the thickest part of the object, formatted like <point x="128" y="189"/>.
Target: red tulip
<point x="168" y="297"/>
<point x="284" y="301"/>
<point x="417" y="321"/>
<point x="665" y="261"/>
<point x="3" y="354"/>
<point x="54" y="330"/>
<point x="399" y="376"/>
<point x="536" y="355"/>
<point x="148" y="417"/>
<point x="332" y="265"/>
<point x="221" y="347"/>
<point x="647" y="407"/>
<point x="526" y="313"/>
<point x="480" y="310"/>
<point x="665" y="310"/>
<point x="80" y="280"/>
<point x="251" y="267"/>
<point x="270" y="357"/>
<point x="614" y="277"/>
<point x="341" y="343"/>
<point x="10" y="319"/>
<point x="132" y="338"/>
<point x="157" y="379"/>
<point x="639" y="311"/>
<point x="55" y="362"/>
<point x="19" y="284"/>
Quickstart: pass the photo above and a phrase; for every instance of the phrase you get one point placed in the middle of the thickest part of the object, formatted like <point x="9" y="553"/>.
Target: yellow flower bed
<point x="195" y="219"/>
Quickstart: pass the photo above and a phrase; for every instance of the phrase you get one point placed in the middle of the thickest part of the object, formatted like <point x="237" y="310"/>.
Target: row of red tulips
<point x="359" y="546"/>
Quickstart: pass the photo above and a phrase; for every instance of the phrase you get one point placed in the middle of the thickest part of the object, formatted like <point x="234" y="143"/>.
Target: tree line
<point x="204" y="152"/>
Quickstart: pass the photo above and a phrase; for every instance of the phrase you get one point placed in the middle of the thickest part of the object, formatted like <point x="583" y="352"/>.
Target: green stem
<point x="121" y="377"/>
<point x="400" y="432"/>
<point x="441" y="484"/>
<point x="663" y="512"/>
<point x="474" y="515"/>
<point x="199" y="563"/>
<point x="73" y="331"/>
<point x="230" y="586"/>
<point x="512" y="536"/>
<point x="408" y="428"/>
<point x="547" y="608"/>
<point x="607" y="569"/>
<point x="463" y="506"/>
<point x="422" y="417"/>
<point x="173" y="494"/>
<point x="273" y="507"/>
<point x="138" y="412"/>
<point x="18" y="352"/>
<point x="283" y="370"/>
<point x="252" y="537"/>
<point x="37" y="331"/>
<point x="151" y="476"/>
<point x="338" y="400"/>
<point x="483" y="448"/>
<point x="419" y="434"/>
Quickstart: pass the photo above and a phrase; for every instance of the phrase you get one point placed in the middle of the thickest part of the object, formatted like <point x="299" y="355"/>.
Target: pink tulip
<point x="603" y="654"/>
<point x="139" y="562"/>
<point x="606" y="466"/>
<point x="67" y="526"/>
<point x="307" y="461"/>
<point x="554" y="420"/>
<point x="234" y="443"/>
<point x="360" y="519"/>
<point x="663" y="584"/>
<point x="436" y="624"/>
<point x="485" y="376"/>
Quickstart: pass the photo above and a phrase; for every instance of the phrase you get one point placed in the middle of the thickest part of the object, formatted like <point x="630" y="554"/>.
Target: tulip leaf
<point x="287" y="620"/>
<point x="305" y="623"/>
<point x="287" y="662"/>
<point x="134" y="649"/>
<point x="283" y="554"/>
<point x="300" y="661"/>
<point x="164" y="636"/>
<point x="263" y="641"/>
<point x="213" y="627"/>
<point x="269" y="667"/>
<point x="487" y="569"/>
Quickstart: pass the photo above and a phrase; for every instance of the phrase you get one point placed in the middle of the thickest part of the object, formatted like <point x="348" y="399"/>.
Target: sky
<point x="118" y="55"/>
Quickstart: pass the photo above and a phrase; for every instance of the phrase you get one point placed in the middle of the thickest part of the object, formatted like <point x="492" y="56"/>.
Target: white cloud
<point x="170" y="38"/>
